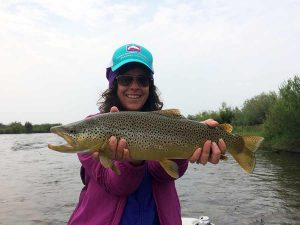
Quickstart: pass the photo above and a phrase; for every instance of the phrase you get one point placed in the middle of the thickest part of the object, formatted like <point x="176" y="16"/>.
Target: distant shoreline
<point x="27" y="128"/>
<point x="29" y="133"/>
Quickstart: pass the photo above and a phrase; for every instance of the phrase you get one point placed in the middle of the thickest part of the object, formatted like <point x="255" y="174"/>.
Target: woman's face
<point x="133" y="95"/>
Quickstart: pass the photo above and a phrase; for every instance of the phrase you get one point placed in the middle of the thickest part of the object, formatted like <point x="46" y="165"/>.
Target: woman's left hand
<point x="211" y="151"/>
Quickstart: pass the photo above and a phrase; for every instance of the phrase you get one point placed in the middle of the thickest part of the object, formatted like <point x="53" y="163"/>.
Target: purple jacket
<point x="103" y="198"/>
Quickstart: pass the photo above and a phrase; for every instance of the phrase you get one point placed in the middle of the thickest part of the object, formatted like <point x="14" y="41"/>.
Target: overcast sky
<point x="53" y="54"/>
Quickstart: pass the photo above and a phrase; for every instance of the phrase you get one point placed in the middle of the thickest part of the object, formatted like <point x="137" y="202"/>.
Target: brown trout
<point x="157" y="135"/>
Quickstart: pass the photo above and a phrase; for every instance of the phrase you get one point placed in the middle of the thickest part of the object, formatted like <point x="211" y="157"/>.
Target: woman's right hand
<point x="119" y="148"/>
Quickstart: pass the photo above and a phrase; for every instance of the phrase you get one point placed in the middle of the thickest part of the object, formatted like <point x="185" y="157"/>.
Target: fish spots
<point x="146" y="131"/>
<point x="154" y="136"/>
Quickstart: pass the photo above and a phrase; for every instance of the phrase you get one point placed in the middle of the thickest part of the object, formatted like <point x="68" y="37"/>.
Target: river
<point x="40" y="186"/>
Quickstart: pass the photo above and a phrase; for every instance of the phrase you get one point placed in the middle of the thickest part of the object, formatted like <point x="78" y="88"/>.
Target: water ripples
<point x="40" y="186"/>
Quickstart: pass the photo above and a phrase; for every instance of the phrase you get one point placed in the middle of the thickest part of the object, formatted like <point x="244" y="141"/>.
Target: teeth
<point x="133" y="96"/>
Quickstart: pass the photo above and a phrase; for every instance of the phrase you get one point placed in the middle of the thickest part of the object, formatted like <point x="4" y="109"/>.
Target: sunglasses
<point x="126" y="80"/>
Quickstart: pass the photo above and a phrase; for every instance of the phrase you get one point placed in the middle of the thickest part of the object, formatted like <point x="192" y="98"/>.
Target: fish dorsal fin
<point x="175" y="113"/>
<point x="226" y="127"/>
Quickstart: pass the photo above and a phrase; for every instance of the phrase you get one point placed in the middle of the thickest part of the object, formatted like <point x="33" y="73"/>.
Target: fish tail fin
<point x="244" y="154"/>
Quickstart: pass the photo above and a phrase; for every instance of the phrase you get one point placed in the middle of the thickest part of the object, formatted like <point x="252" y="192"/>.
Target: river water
<point x="40" y="186"/>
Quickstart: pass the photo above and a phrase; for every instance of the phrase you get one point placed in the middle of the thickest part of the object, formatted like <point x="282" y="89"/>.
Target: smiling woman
<point x="133" y="88"/>
<point x="138" y="185"/>
<point x="132" y="81"/>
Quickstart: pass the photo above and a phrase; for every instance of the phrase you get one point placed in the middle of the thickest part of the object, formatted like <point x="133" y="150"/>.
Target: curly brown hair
<point x="110" y="98"/>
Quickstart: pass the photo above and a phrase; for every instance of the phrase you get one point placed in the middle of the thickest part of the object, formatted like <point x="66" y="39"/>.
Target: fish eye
<point x="72" y="131"/>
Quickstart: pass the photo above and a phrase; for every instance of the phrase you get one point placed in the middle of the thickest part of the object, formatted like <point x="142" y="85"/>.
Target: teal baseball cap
<point x="131" y="53"/>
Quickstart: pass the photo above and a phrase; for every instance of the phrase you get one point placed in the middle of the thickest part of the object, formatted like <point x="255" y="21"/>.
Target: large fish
<point x="157" y="135"/>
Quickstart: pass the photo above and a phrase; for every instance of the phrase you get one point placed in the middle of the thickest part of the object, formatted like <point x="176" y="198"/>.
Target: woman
<point x="144" y="193"/>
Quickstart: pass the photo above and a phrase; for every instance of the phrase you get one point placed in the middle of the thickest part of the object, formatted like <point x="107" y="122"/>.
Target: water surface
<point x="40" y="186"/>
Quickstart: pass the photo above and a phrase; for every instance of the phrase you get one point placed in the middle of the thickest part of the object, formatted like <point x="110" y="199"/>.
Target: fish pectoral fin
<point x="106" y="161"/>
<point x="170" y="167"/>
<point x="226" y="127"/>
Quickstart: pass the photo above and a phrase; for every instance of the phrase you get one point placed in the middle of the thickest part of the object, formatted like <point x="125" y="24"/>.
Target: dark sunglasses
<point x="126" y="80"/>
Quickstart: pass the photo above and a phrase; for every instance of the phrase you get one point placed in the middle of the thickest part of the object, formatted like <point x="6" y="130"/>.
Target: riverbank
<point x="27" y="128"/>
<point x="282" y="143"/>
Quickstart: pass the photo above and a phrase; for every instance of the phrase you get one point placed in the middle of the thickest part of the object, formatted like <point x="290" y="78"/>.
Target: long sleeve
<point x="120" y="185"/>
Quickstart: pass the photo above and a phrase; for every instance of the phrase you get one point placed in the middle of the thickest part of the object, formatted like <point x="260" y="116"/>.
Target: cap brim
<point x="117" y="66"/>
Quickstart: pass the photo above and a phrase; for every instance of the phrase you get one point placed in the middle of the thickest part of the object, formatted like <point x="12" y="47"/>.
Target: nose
<point x="134" y="84"/>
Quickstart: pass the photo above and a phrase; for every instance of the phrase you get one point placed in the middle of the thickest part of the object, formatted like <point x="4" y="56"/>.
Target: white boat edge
<point x="202" y="220"/>
<point x="189" y="221"/>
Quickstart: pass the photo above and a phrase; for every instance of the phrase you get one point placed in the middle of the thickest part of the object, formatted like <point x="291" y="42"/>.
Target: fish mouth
<point x="70" y="146"/>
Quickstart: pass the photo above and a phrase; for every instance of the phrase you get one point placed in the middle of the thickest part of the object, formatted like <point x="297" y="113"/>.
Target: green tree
<point x="44" y="128"/>
<point x="28" y="127"/>
<point x="284" y="116"/>
<point x="255" y="110"/>
<point x="16" y="128"/>
<point x="201" y="116"/>
<point x="2" y="128"/>
<point x="226" y="114"/>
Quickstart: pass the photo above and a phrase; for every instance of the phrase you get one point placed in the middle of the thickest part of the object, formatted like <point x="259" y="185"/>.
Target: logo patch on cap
<point x="133" y="48"/>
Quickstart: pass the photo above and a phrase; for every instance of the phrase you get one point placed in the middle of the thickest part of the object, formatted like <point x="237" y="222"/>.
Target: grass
<point x="278" y="143"/>
<point x="249" y="130"/>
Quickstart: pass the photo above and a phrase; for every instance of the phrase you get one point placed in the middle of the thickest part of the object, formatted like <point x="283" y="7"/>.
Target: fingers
<point x="205" y="153"/>
<point x="222" y="146"/>
<point x="201" y="155"/>
<point x="196" y="155"/>
<point x="211" y="152"/>
<point x="118" y="148"/>
<point x="215" y="153"/>
<point x="114" y="109"/>
<point x="211" y="122"/>
<point x="113" y="144"/>
<point x="126" y="155"/>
